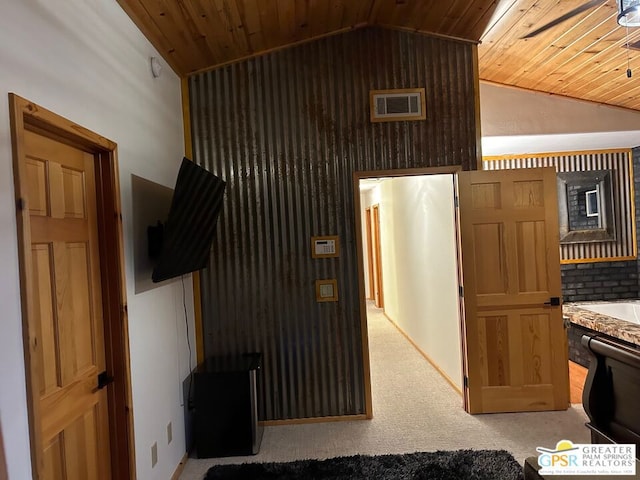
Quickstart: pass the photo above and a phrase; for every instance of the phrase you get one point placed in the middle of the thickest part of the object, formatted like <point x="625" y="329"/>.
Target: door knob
<point x="103" y="380"/>
<point x="553" y="302"/>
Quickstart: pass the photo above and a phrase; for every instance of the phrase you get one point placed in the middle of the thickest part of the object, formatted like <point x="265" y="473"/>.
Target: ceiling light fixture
<point x="629" y="13"/>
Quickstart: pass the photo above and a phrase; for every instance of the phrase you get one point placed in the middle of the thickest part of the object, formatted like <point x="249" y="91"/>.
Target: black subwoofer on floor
<point x="225" y="400"/>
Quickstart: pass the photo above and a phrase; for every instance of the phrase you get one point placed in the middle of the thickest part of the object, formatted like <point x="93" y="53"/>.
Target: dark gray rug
<point x="460" y="464"/>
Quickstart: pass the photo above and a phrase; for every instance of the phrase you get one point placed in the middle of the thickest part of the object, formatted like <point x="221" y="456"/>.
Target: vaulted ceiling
<point x="583" y="57"/>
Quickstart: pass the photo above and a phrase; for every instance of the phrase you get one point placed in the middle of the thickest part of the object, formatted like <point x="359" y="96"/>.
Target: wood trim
<point x="403" y="172"/>
<point x="377" y="253"/>
<point x="17" y="108"/>
<point x="180" y="468"/>
<point x="303" y="421"/>
<point x="495" y="158"/>
<point x="195" y="276"/>
<point x="596" y="260"/>
<point x="478" y="119"/>
<point x="27" y="115"/>
<point x="362" y="303"/>
<point x="399" y="118"/>
<point x="116" y="315"/>
<point x="632" y="200"/>
<point x="428" y="34"/>
<point x="426" y="356"/>
<point x="278" y="48"/>
<point x="369" y="240"/>
<point x="186" y="117"/>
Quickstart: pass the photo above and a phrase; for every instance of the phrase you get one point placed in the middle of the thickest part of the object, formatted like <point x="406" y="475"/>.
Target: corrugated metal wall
<point x="286" y="131"/>
<point x="619" y="163"/>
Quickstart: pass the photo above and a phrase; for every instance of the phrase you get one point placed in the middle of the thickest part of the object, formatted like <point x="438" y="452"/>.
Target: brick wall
<point x="599" y="281"/>
<point x="577" y="352"/>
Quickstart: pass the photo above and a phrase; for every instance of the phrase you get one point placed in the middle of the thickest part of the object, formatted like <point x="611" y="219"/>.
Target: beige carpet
<point x="415" y="409"/>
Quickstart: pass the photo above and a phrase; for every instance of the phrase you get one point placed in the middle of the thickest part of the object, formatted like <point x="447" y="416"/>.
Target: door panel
<point x="68" y="309"/>
<point x="378" y="290"/>
<point x="515" y="345"/>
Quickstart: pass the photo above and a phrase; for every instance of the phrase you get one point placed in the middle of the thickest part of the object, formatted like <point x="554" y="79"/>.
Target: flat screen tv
<point x="182" y="245"/>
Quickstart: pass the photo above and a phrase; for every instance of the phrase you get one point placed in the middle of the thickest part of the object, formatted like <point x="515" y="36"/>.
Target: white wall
<point x="85" y="60"/>
<point x="515" y="121"/>
<point x="419" y="266"/>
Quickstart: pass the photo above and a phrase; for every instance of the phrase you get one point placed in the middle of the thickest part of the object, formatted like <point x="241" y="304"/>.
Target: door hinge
<point x="465" y="381"/>
<point x="461" y="290"/>
<point x="21" y="204"/>
<point x="456" y="203"/>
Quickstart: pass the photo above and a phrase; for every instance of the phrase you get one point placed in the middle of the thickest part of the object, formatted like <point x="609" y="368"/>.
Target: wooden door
<point x="369" y="253"/>
<point x="66" y="293"/>
<point x="378" y="295"/>
<point x="514" y="341"/>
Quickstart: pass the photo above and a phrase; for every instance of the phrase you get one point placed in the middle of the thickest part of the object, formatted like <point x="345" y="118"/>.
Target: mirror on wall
<point x="585" y="206"/>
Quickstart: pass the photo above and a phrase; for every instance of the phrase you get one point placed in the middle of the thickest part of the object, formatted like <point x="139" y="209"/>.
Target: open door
<point x="515" y="347"/>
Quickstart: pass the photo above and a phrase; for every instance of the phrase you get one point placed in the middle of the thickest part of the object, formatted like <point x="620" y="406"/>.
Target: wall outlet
<point x="169" y="433"/>
<point x="154" y="454"/>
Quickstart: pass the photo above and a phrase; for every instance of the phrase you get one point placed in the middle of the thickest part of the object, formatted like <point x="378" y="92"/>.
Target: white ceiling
<point x="571" y="142"/>
<point x="516" y="121"/>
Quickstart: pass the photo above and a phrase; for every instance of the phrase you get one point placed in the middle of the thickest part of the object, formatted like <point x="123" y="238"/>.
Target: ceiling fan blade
<point x="565" y="17"/>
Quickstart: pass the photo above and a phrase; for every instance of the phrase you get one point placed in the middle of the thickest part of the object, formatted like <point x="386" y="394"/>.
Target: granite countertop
<point x="623" y="330"/>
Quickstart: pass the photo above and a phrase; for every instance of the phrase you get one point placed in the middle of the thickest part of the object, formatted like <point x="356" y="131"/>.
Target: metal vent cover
<point x="393" y="105"/>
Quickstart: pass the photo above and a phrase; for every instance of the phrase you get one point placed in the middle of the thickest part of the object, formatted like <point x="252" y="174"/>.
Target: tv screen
<point x="188" y="232"/>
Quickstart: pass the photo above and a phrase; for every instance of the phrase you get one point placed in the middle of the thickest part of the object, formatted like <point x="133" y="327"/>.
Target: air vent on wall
<point x="400" y="104"/>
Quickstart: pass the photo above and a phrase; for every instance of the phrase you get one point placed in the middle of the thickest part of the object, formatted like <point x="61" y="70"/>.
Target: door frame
<point x="26" y="115"/>
<point x="378" y="294"/>
<point x="371" y="285"/>
<point x="364" y="335"/>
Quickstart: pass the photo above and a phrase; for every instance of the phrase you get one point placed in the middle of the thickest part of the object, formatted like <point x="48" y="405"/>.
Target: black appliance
<point x="225" y="401"/>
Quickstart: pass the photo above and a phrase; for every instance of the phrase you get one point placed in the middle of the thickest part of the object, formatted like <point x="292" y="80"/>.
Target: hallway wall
<point x="419" y="266"/>
<point x="87" y="61"/>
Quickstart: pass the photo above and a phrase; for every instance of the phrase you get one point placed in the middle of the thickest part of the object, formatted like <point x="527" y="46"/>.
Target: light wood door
<point x="378" y="295"/>
<point x="68" y="308"/>
<point x="514" y="342"/>
<point x="369" y="253"/>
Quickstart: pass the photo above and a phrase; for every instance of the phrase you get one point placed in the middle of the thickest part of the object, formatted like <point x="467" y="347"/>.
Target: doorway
<point x="511" y="337"/>
<point x="73" y="297"/>
<point x="409" y="217"/>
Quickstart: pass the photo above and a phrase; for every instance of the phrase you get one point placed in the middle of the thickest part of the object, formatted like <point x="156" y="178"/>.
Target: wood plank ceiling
<point x="583" y="57"/>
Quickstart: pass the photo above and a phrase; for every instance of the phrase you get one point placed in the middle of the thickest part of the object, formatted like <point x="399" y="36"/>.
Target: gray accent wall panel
<point x="286" y="131"/>
<point x="618" y="161"/>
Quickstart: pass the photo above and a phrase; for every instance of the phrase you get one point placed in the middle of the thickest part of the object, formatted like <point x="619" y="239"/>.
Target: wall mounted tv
<point x="182" y="244"/>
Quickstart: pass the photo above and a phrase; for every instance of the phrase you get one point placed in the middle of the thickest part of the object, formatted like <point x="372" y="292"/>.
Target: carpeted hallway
<point x="414" y="409"/>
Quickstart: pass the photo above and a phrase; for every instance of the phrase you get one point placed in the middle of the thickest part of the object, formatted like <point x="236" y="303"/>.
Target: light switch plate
<point x="327" y="290"/>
